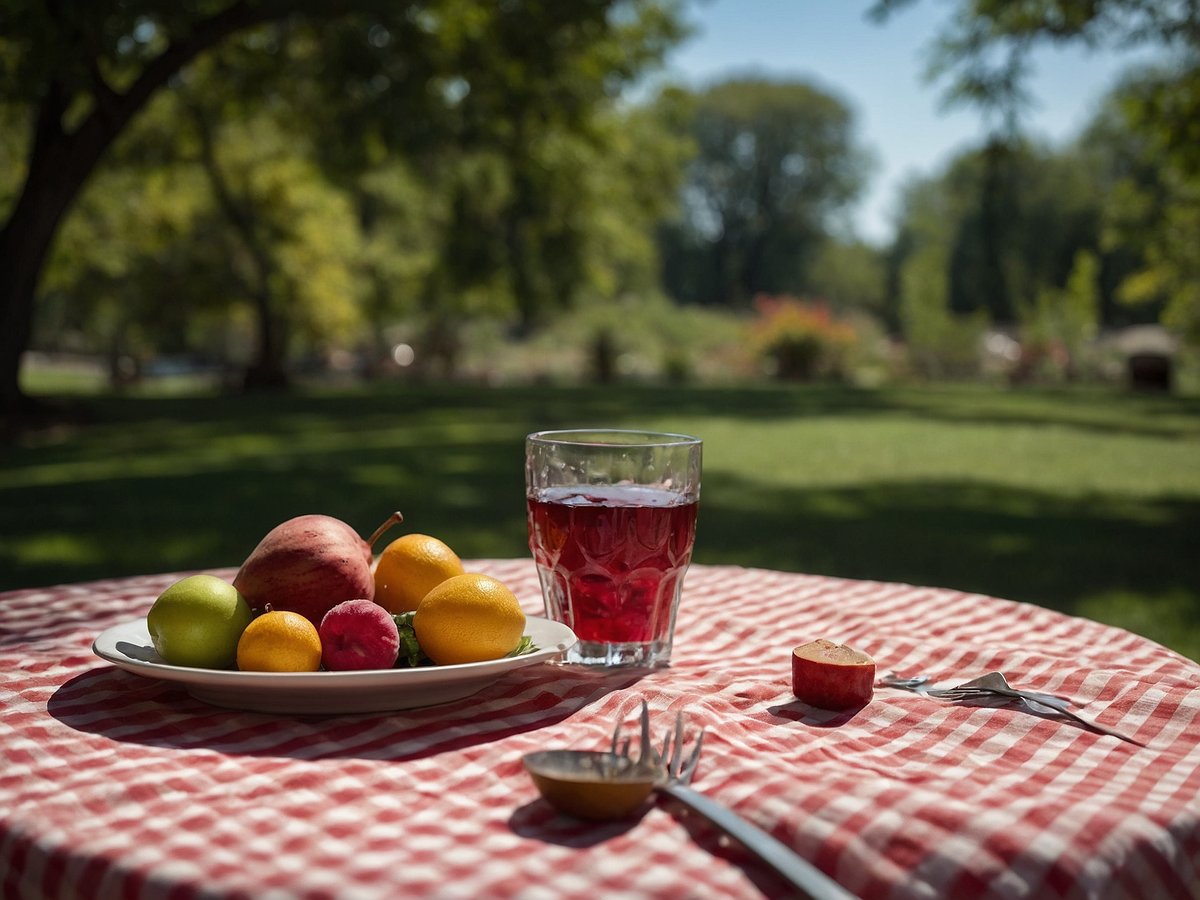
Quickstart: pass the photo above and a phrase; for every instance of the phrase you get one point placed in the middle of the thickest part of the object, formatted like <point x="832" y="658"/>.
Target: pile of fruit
<point x="312" y="596"/>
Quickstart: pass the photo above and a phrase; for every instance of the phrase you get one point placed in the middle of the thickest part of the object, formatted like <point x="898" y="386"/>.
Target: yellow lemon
<point x="409" y="568"/>
<point x="468" y="618"/>
<point x="279" y="641"/>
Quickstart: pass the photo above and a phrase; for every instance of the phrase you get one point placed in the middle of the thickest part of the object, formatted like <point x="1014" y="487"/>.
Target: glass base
<point x="596" y="653"/>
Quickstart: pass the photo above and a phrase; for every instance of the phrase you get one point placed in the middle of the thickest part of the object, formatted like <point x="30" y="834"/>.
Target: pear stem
<point x="394" y="519"/>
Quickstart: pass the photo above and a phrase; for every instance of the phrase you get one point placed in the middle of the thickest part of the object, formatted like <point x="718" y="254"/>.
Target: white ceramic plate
<point x="377" y="690"/>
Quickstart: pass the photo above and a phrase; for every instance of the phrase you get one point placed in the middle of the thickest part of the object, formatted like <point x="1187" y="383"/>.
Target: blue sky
<point x="878" y="70"/>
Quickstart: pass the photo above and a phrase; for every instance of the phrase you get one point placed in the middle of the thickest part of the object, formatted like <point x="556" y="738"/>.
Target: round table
<point x="115" y="785"/>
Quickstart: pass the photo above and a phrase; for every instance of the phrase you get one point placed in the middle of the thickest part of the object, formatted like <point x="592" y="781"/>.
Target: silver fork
<point x="994" y="685"/>
<point x="677" y="769"/>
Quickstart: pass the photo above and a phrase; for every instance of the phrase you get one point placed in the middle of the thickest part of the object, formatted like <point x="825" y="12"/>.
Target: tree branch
<point x="206" y="34"/>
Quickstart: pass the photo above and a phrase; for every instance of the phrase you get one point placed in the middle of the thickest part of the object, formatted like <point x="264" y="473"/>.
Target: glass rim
<point x="657" y="438"/>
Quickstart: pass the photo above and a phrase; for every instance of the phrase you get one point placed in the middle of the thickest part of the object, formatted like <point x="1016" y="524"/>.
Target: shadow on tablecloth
<point x="128" y="708"/>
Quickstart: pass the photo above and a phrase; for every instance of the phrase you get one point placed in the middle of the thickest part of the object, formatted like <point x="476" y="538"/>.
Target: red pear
<point x="309" y="565"/>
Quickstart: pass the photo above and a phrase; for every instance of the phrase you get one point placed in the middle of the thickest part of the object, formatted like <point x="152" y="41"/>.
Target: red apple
<point x="832" y="676"/>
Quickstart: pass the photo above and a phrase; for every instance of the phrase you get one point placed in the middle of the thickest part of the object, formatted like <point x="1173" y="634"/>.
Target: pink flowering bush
<point x="801" y="339"/>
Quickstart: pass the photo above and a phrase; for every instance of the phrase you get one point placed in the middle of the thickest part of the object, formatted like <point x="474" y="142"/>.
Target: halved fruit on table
<point x="832" y="676"/>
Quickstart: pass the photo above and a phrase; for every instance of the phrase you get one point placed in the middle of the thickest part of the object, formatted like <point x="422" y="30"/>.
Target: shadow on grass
<point x="1072" y="555"/>
<point x="158" y="485"/>
<point x="155" y="523"/>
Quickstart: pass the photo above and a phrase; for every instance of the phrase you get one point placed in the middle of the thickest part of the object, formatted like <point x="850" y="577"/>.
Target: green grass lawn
<point x="1083" y="501"/>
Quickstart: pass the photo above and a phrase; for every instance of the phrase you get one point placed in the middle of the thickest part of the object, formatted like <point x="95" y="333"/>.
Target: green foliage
<point x="649" y="339"/>
<point x="939" y="342"/>
<point x="851" y="276"/>
<point x="165" y="256"/>
<point x="312" y="228"/>
<point x="1153" y="211"/>
<point x="411" y="655"/>
<point x="135" y="229"/>
<point x="402" y="219"/>
<point x="1020" y="213"/>
<point x="1057" y="328"/>
<point x="1076" y="230"/>
<point x="509" y="111"/>
<point x="338" y="180"/>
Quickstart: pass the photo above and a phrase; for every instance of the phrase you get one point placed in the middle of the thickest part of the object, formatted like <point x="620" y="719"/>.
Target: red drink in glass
<point x="612" y="559"/>
<point x="612" y="518"/>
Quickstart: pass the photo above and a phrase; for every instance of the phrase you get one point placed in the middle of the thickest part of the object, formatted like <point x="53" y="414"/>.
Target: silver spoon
<point x="591" y="784"/>
<point x="597" y="785"/>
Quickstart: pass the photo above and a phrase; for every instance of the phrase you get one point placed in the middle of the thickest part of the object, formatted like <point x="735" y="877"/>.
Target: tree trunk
<point x="58" y="166"/>
<point x="268" y="369"/>
<point x="19" y="268"/>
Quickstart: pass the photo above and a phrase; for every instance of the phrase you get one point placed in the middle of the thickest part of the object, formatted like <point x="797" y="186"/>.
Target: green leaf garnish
<point x="525" y="645"/>
<point x="410" y="655"/>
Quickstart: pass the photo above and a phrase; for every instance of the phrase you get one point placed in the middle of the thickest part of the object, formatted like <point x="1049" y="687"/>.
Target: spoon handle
<point x="803" y="875"/>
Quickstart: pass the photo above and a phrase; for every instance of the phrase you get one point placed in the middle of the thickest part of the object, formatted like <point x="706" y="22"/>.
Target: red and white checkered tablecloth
<point x="114" y="785"/>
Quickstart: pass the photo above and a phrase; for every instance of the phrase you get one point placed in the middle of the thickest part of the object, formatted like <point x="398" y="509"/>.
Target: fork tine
<point x="647" y="750"/>
<point x="677" y="749"/>
<point x="689" y="770"/>
<point x="675" y="764"/>
<point x="664" y="757"/>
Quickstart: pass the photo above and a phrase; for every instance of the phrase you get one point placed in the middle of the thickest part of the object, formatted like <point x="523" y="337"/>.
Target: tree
<point x="983" y="54"/>
<point x="292" y="239"/>
<point x="1051" y="212"/>
<point x="940" y="342"/>
<point x="138" y="264"/>
<point x="1151" y="209"/>
<point x="82" y="72"/>
<point x="774" y="161"/>
<point x="851" y="276"/>
<point x="197" y="228"/>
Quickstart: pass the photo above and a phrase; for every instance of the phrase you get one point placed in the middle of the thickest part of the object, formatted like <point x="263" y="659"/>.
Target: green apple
<point x="197" y="622"/>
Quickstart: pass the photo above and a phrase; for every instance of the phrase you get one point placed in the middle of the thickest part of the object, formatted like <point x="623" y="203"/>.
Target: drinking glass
<point x="612" y="520"/>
